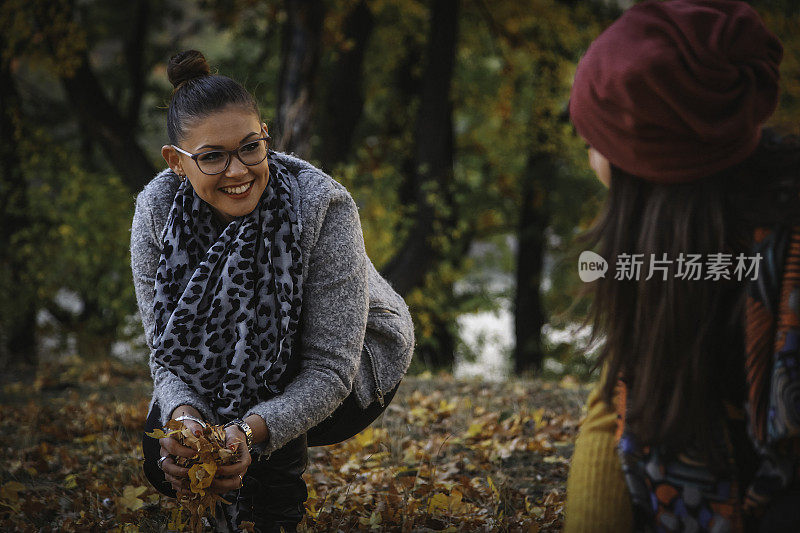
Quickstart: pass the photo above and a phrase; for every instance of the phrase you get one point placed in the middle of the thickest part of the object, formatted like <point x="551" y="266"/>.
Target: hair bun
<point x="185" y="66"/>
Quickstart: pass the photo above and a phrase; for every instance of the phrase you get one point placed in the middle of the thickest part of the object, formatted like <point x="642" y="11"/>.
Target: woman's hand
<point x="231" y="477"/>
<point x="178" y="476"/>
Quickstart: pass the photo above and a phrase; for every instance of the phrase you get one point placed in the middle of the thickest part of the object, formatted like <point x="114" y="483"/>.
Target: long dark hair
<point x="677" y="343"/>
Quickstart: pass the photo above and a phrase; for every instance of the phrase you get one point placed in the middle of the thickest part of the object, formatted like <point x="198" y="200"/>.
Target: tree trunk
<point x="134" y="54"/>
<point x="105" y="123"/>
<point x="17" y="306"/>
<point x="431" y="180"/>
<point x="533" y="220"/>
<point x="344" y="97"/>
<point x="433" y="154"/>
<point x="407" y="81"/>
<point x="302" y="41"/>
<point x="100" y="117"/>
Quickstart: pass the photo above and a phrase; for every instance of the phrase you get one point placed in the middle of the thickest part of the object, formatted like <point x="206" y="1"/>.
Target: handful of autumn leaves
<point x="211" y="453"/>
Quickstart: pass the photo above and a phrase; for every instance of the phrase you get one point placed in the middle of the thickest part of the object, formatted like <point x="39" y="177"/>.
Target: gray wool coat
<point x="340" y="287"/>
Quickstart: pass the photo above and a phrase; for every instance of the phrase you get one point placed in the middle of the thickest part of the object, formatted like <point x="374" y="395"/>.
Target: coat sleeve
<point x="168" y="390"/>
<point x="597" y="497"/>
<point x="333" y="323"/>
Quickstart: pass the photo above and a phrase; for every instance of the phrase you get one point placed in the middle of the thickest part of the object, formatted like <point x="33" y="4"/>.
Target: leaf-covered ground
<point x="447" y="455"/>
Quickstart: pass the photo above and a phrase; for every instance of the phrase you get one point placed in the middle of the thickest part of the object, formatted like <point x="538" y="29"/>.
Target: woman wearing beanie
<point x="256" y="294"/>
<point x="695" y="425"/>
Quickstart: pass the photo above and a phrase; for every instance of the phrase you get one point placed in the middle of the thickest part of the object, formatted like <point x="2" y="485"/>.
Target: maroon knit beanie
<point x="677" y="90"/>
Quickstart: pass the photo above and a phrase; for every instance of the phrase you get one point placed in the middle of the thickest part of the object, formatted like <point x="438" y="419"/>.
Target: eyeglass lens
<point x="217" y="161"/>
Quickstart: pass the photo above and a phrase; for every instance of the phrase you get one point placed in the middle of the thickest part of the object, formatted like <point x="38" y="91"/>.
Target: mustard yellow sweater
<point x="597" y="498"/>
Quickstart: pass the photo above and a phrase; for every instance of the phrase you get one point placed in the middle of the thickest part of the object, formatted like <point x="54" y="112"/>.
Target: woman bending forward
<point x="252" y="283"/>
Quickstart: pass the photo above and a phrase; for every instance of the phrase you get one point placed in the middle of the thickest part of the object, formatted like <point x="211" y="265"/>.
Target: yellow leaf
<point x="160" y="433"/>
<point x="226" y="455"/>
<point x="538" y="417"/>
<point x="493" y="487"/>
<point x="374" y="521"/>
<point x="410" y="455"/>
<point x="9" y="495"/>
<point x="419" y="413"/>
<point x="475" y="429"/>
<point x="130" y="500"/>
<point x="9" y="492"/>
<point x="366" y="437"/>
<point x="200" y="477"/>
<point x="311" y="509"/>
<point x="70" y="481"/>
<point x="88" y="439"/>
<point x="446" y="408"/>
<point x="439" y="502"/>
<point x="446" y="503"/>
<point x="455" y="498"/>
<point x="176" y="521"/>
<point x="126" y="528"/>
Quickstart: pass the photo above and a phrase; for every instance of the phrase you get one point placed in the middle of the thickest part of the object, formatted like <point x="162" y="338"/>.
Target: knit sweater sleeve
<point x="333" y="323"/>
<point x="168" y="390"/>
<point x="597" y="497"/>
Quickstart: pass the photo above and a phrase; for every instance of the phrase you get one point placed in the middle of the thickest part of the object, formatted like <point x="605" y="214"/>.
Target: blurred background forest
<point x="446" y="119"/>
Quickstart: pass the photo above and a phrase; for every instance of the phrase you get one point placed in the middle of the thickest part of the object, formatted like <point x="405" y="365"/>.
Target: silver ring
<point x="192" y="418"/>
<point x="241" y="481"/>
<point x="160" y="461"/>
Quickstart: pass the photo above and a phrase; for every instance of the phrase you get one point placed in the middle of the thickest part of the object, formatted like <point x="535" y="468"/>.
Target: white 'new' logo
<point x="591" y="266"/>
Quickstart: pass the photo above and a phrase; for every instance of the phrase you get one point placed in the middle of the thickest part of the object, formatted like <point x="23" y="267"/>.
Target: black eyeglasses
<point x="213" y="162"/>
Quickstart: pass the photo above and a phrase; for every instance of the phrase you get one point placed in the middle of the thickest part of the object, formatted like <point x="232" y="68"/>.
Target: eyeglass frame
<point x="229" y="153"/>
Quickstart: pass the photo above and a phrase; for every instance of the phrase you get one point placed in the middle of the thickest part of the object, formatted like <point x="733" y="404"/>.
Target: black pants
<point x="783" y="514"/>
<point x="347" y="420"/>
<point x="272" y="493"/>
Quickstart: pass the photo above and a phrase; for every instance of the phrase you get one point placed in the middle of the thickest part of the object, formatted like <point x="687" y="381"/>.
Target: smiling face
<point x="236" y="191"/>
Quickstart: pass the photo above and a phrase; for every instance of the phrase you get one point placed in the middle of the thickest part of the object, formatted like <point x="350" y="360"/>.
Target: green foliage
<point x="784" y="22"/>
<point x="514" y="67"/>
<point x="45" y="31"/>
<point x="77" y="242"/>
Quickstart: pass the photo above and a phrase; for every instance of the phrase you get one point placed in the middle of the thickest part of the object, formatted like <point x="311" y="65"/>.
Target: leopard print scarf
<point x="227" y="302"/>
